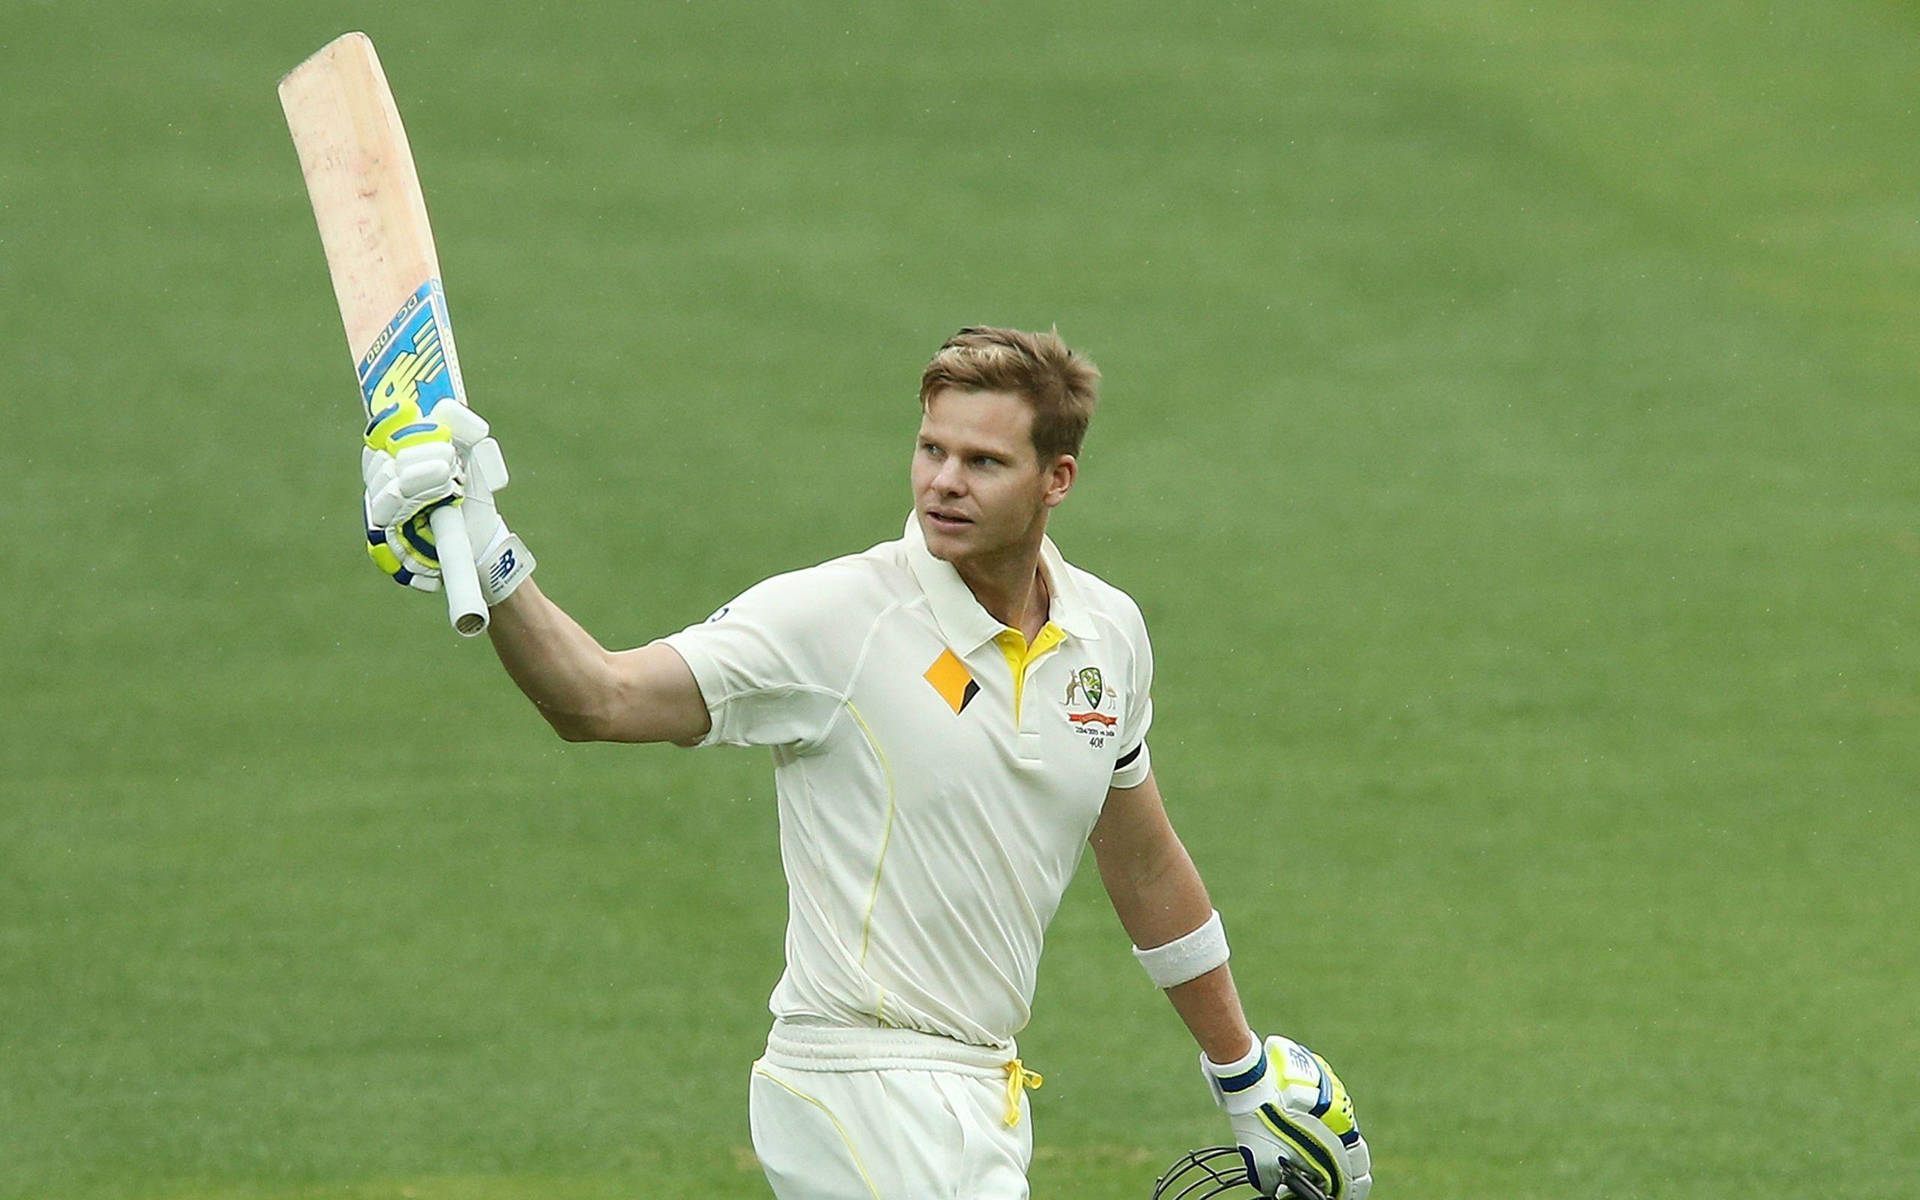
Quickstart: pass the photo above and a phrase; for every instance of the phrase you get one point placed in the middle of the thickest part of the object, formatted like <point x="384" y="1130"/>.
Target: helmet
<point x="1221" y="1171"/>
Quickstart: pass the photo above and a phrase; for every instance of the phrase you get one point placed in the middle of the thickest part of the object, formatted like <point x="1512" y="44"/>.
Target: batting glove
<point x="411" y="468"/>
<point x="1286" y="1104"/>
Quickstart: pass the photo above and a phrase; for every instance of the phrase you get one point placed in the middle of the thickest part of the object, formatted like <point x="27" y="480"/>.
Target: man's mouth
<point x="947" y="520"/>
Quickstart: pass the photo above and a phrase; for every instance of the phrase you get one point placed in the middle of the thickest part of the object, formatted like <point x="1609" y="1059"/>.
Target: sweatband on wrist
<point x="503" y="565"/>
<point x="1187" y="957"/>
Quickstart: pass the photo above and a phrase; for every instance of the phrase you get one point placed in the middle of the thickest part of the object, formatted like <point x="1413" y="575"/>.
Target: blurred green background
<point x="1509" y="433"/>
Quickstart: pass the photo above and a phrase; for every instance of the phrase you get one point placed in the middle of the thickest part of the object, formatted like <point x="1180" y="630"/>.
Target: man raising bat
<point x="954" y="715"/>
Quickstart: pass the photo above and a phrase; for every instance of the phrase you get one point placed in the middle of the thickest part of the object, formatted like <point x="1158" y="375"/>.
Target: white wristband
<point x="1187" y="957"/>
<point x="503" y="565"/>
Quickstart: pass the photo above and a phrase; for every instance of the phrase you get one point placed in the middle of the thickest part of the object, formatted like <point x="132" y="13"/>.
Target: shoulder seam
<point x="845" y="694"/>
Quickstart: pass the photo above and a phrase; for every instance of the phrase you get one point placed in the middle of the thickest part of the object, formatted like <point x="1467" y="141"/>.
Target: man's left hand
<point x="1286" y="1104"/>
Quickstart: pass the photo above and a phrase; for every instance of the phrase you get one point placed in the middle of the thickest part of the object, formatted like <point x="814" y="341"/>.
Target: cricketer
<point x="953" y="716"/>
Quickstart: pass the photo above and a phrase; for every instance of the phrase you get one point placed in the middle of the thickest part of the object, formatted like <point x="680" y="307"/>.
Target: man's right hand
<point x="412" y="468"/>
<point x="1286" y="1105"/>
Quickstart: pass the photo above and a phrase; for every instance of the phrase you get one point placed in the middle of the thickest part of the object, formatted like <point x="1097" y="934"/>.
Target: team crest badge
<point x="1089" y="680"/>
<point x="1085" y="690"/>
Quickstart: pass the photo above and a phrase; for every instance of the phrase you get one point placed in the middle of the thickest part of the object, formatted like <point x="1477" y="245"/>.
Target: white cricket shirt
<point x="934" y="798"/>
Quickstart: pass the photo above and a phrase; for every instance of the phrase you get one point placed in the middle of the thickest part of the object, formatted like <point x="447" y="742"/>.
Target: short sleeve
<point x="766" y="663"/>
<point x="1131" y="768"/>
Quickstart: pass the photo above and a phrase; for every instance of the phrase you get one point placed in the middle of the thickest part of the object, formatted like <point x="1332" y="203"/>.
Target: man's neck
<point x="1012" y="590"/>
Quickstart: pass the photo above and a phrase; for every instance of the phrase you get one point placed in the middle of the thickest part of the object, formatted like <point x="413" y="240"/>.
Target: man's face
<point x="979" y="489"/>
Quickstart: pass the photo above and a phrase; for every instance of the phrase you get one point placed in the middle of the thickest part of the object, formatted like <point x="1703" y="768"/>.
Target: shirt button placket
<point x="1028" y="746"/>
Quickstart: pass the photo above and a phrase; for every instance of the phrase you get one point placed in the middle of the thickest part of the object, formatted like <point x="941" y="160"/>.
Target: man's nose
<point x="950" y="478"/>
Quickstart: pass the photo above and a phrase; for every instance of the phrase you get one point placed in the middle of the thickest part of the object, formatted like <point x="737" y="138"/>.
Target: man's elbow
<point x="626" y="725"/>
<point x="573" y="731"/>
<point x="577" y="726"/>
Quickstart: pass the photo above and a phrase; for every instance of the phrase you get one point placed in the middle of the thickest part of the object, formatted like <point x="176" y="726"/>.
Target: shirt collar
<point x="963" y="622"/>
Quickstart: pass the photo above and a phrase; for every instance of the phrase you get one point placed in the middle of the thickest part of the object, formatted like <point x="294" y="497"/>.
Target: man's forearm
<point x="1175" y="898"/>
<point x="587" y="692"/>
<point x="559" y="665"/>
<point x="1211" y="1008"/>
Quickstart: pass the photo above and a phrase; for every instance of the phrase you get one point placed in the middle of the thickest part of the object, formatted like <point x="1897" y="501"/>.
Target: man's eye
<point x="983" y="460"/>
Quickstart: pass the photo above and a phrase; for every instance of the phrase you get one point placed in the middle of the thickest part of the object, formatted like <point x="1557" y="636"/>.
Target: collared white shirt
<point x="933" y="801"/>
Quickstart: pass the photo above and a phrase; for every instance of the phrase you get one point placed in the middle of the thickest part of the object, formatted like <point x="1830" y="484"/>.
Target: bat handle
<point x="466" y="608"/>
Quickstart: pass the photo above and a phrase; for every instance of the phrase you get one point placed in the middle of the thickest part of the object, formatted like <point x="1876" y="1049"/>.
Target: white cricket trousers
<point x="889" y="1114"/>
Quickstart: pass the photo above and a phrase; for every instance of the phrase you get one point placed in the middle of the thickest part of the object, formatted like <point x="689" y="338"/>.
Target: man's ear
<point x="1060" y="477"/>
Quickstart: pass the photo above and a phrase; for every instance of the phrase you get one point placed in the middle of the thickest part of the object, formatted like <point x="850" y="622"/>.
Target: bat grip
<point x="466" y="608"/>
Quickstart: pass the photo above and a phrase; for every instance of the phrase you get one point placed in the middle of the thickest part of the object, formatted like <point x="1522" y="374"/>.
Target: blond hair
<point x="1060" y="385"/>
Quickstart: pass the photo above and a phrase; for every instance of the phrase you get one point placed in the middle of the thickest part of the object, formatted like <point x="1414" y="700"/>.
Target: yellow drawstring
<point x="1019" y="1079"/>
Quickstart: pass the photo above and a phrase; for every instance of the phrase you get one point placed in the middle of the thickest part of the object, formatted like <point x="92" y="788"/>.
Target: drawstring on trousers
<point x="1019" y="1080"/>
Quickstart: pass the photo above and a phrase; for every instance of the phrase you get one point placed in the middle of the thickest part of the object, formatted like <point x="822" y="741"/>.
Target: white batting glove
<point x="1286" y="1105"/>
<point x="412" y="469"/>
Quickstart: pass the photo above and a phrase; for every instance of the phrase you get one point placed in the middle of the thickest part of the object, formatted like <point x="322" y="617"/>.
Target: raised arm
<point x="587" y="692"/>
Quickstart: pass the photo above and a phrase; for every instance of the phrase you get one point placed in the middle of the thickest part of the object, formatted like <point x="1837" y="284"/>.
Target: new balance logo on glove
<point x="501" y="569"/>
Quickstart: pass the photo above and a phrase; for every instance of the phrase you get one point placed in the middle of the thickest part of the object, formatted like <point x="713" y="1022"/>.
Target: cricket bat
<point x="373" y="224"/>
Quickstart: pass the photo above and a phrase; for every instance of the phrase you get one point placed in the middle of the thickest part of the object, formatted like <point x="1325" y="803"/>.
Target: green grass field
<point x="1509" y="432"/>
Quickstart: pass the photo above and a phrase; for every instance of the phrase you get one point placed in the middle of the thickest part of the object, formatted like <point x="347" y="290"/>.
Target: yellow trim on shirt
<point x="886" y="836"/>
<point x="1021" y="656"/>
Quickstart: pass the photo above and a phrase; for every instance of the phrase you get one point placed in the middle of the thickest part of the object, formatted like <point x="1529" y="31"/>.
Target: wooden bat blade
<point x="360" y="176"/>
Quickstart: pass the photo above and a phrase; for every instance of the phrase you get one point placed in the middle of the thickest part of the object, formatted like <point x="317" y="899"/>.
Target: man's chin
<point x="946" y="549"/>
<point x="946" y="541"/>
